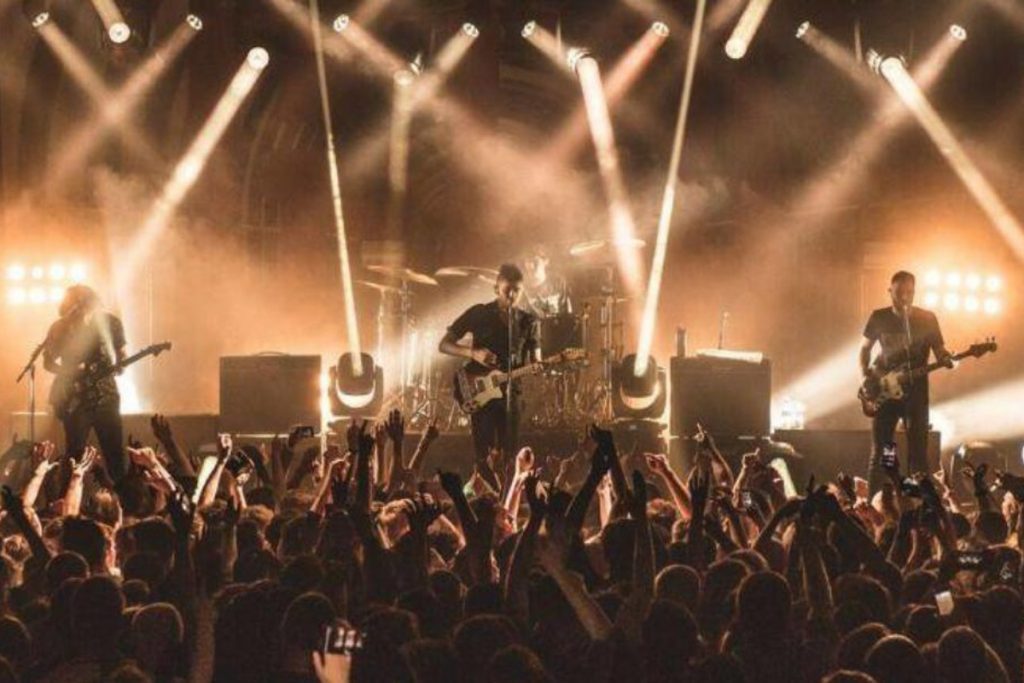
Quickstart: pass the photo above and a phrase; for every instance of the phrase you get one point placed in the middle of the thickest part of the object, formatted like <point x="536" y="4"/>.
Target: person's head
<point x="924" y="625"/>
<point x="680" y="583"/>
<point x="432" y="661"/>
<point x="15" y="642"/>
<point x="478" y="638"/>
<point x="990" y="527"/>
<point x="854" y="647"/>
<point x="393" y="626"/>
<point x="430" y="613"/>
<point x="156" y="631"/>
<point x="303" y="624"/>
<point x="536" y="265"/>
<point x="895" y="659"/>
<point x="763" y="604"/>
<point x="866" y="591"/>
<point x="79" y="301"/>
<point x="85" y="537"/>
<point x="963" y="657"/>
<point x="97" y="610"/>
<point x="517" y="664"/>
<point x="901" y="289"/>
<point x="670" y="637"/>
<point x="848" y="676"/>
<point x="63" y="566"/>
<point x="508" y="285"/>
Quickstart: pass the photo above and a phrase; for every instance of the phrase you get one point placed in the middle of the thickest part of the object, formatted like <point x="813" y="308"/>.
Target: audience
<point x="292" y="563"/>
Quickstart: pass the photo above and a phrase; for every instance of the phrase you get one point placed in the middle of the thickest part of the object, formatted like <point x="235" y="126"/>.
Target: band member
<point x="547" y="293"/>
<point x="503" y="337"/>
<point x="83" y="338"/>
<point x="906" y="335"/>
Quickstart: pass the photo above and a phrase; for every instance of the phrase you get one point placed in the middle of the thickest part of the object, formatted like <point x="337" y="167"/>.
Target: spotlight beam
<point x="92" y="85"/>
<point x="351" y="319"/>
<point x="739" y="42"/>
<point x="545" y="41"/>
<point x="119" y="104"/>
<point x="623" y="227"/>
<point x="999" y="214"/>
<point x="990" y="413"/>
<point x="650" y="313"/>
<point x="191" y="165"/>
<point x="838" y="56"/>
<point x="109" y="13"/>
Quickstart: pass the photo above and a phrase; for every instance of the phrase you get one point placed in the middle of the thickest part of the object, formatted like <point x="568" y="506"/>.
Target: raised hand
<point x="657" y="462"/>
<point x="845" y="483"/>
<point x="224" y="446"/>
<point x="380" y="433"/>
<point x="699" y="485"/>
<point x="432" y="432"/>
<point x="161" y="428"/>
<point x="603" y="438"/>
<point x="1011" y="483"/>
<point x="451" y="483"/>
<point x="42" y="457"/>
<point x="524" y="461"/>
<point x="422" y="512"/>
<point x="537" y="503"/>
<point x="396" y="426"/>
<point x="81" y="466"/>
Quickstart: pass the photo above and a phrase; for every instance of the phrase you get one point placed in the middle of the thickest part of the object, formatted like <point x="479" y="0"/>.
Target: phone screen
<point x="970" y="560"/>
<point x="342" y="639"/>
<point x="746" y="500"/>
<point x="889" y="456"/>
<point x="944" y="601"/>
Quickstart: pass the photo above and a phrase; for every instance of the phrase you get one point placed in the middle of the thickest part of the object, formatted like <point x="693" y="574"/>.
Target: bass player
<point x="907" y="336"/>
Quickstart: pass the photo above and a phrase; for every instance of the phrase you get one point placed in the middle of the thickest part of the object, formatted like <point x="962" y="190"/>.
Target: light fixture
<point x="119" y="32"/>
<point x="660" y="28"/>
<point x="575" y="55"/>
<point x="638" y="397"/>
<point x="341" y="23"/>
<point x="958" y="32"/>
<point x="16" y="272"/>
<point x="195" y="22"/>
<point x="57" y="271"/>
<point x="470" y="30"/>
<point x="802" y="29"/>
<point x="529" y="29"/>
<point x="350" y="393"/>
<point x="40" y="19"/>
<point x="258" y="58"/>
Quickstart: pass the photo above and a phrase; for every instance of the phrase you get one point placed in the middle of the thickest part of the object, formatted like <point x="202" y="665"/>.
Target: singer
<point x="907" y="335"/>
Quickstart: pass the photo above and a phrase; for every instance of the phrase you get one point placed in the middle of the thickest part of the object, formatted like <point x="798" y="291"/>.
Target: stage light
<point x="575" y="55"/>
<point x="405" y="77"/>
<point x="258" y="58"/>
<point x="37" y="295"/>
<point x="16" y="272"/>
<point x="341" y="23"/>
<point x="802" y="29"/>
<point x="56" y="294"/>
<point x="40" y="19"/>
<point x="119" y="33"/>
<point x="972" y="281"/>
<point x="971" y="304"/>
<point x="933" y="278"/>
<point x="660" y="28"/>
<point x="470" y="30"/>
<point x="792" y="414"/>
<point x="825" y="387"/>
<point x="993" y="306"/>
<point x="953" y="280"/>
<point x="951" y="301"/>
<point x="77" y="273"/>
<point x="529" y="28"/>
<point x="356" y="391"/>
<point x="958" y="32"/>
<point x="37" y="272"/>
<point x="16" y="296"/>
<point x="932" y="299"/>
<point x="195" y="22"/>
<point x="638" y="396"/>
<point x="993" y="283"/>
<point x="991" y="413"/>
<point x="739" y="42"/>
<point x="57" y="271"/>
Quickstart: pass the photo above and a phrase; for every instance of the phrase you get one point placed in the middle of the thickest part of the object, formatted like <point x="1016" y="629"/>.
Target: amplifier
<point x="729" y="397"/>
<point x="269" y="394"/>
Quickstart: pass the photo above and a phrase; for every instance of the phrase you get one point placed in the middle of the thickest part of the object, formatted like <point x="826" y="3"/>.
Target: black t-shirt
<point x="889" y="329"/>
<point x="94" y="341"/>
<point x="491" y="332"/>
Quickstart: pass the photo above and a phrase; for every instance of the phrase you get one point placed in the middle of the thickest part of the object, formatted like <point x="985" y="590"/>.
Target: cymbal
<point x="592" y="246"/>
<point x="404" y="274"/>
<point x="382" y="288"/>
<point x="485" y="274"/>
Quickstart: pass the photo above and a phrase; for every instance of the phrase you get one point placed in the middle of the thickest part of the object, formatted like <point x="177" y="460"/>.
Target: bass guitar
<point x="69" y="389"/>
<point x="475" y="389"/>
<point x="890" y="383"/>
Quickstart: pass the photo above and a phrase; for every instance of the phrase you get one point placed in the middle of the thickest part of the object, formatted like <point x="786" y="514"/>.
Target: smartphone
<point x="305" y="432"/>
<point x="910" y="487"/>
<point x="889" y="456"/>
<point x="944" y="601"/>
<point x="342" y="639"/>
<point x="971" y="559"/>
<point x="746" y="500"/>
<point x="238" y="462"/>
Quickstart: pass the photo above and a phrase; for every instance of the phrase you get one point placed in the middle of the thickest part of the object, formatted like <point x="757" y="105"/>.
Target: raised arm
<point x="180" y="465"/>
<point x="73" y="498"/>
<point x="430" y="435"/>
<point x="658" y="462"/>
<point x="43" y="463"/>
<point x="516" y="585"/>
<point x="633" y="611"/>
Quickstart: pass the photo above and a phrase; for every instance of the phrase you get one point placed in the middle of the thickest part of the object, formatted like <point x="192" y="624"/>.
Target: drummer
<point x="546" y="293"/>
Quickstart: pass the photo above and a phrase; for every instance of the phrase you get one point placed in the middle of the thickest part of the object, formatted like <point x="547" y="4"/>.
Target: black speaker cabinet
<point x="269" y="394"/>
<point x="730" y="398"/>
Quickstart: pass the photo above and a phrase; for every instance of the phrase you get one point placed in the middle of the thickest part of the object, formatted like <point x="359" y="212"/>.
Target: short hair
<point x="902" y="276"/>
<point x="510" y="272"/>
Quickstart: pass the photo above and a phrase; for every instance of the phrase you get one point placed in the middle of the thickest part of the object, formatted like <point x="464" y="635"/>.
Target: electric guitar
<point x="69" y="389"/>
<point x="474" y="389"/>
<point x="892" y="383"/>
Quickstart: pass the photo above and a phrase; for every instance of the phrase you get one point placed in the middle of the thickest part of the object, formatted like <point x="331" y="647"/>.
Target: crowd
<point x="300" y="562"/>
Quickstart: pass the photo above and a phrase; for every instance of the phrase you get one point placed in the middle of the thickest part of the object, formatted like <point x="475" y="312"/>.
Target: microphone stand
<point x="906" y="327"/>
<point x="30" y="370"/>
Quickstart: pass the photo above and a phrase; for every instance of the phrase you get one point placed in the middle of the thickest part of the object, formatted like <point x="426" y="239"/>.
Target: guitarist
<point x="493" y="326"/>
<point x="85" y="336"/>
<point x="906" y="335"/>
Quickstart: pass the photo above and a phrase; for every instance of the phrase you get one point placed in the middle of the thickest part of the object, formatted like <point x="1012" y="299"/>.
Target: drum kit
<point x="566" y="396"/>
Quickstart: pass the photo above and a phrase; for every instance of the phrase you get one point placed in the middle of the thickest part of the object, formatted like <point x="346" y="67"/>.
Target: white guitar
<point x="475" y="389"/>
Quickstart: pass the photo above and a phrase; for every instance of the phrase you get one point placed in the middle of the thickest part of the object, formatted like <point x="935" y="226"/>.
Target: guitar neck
<point x="932" y="367"/>
<point x="121" y="365"/>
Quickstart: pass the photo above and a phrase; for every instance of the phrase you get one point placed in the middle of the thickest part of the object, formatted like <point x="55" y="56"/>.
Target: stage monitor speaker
<point x="269" y="394"/>
<point x="729" y="398"/>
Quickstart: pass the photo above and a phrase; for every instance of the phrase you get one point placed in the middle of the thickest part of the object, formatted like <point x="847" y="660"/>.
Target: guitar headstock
<point x="980" y="349"/>
<point x="157" y="349"/>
